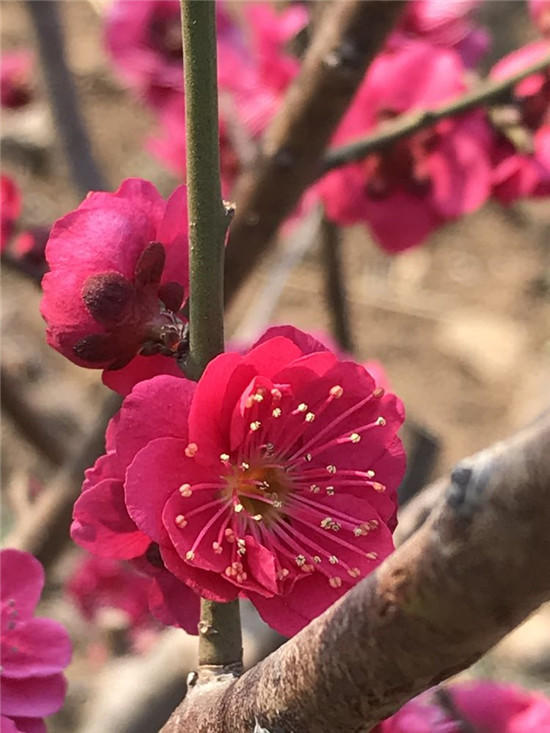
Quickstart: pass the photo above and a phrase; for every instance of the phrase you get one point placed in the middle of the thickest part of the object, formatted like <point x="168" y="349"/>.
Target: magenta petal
<point x="22" y="582"/>
<point x="165" y="400"/>
<point x="386" y="216"/>
<point x="304" y="341"/>
<point x="101" y="523"/>
<point x="157" y="471"/>
<point x="270" y="357"/>
<point x="33" y="697"/>
<point x="8" y="726"/>
<point x="138" y="370"/>
<point x="210" y="399"/>
<point x="209" y="585"/>
<point x="308" y="598"/>
<point x="29" y="725"/>
<point x="174" y="603"/>
<point x="35" y="648"/>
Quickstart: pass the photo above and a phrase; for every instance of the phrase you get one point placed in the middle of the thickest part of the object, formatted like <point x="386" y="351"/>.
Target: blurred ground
<point x="462" y="325"/>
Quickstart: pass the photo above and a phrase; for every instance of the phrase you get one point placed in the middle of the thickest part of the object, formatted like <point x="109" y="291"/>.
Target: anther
<point x="371" y="474"/>
<point x="308" y="457"/>
<point x="255" y="425"/>
<point x="191" y="450"/>
<point x="302" y="407"/>
<point x="372" y="555"/>
<point x="335" y="582"/>
<point x="217" y="548"/>
<point x="330" y="490"/>
<point x="238" y="507"/>
<point x="333" y="560"/>
<point x="381" y="421"/>
<point x="185" y="490"/>
<point x="300" y="560"/>
<point x="224" y="457"/>
<point x="354" y="572"/>
<point x="245" y="466"/>
<point x="277" y="412"/>
<point x="331" y="468"/>
<point x="378" y="392"/>
<point x="354" y="438"/>
<point x="310" y="417"/>
<point x="314" y="488"/>
<point x="189" y="555"/>
<point x="316" y="558"/>
<point x="337" y="391"/>
<point x="377" y="486"/>
<point x="181" y="521"/>
<point x="257" y="517"/>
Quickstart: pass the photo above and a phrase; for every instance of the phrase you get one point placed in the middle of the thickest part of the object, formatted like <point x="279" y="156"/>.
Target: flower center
<point x="260" y="491"/>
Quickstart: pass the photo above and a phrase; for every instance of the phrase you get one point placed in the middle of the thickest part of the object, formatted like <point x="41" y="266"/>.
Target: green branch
<point x="407" y="124"/>
<point x="220" y="643"/>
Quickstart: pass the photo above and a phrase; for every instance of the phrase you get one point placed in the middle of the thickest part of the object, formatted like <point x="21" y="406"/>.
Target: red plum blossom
<point x="524" y="170"/>
<point x="482" y="706"/>
<point x="118" y="278"/>
<point x="34" y="650"/>
<point x="273" y="479"/>
<point x="435" y="175"/>
<point x="446" y="23"/>
<point x="101" y="582"/>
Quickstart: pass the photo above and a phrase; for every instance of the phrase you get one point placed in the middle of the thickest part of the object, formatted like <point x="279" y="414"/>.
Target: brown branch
<point x="475" y="569"/>
<point x="35" y="426"/>
<point x="44" y="531"/>
<point x="335" y="287"/>
<point x="407" y="124"/>
<point x="350" y="34"/>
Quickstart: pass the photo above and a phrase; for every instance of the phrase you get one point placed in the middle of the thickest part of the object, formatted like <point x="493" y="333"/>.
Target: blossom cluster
<point x="254" y="68"/>
<point x="34" y="650"/>
<point x="430" y="178"/>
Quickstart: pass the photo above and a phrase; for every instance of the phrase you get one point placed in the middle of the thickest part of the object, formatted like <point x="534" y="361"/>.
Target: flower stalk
<point x="220" y="643"/>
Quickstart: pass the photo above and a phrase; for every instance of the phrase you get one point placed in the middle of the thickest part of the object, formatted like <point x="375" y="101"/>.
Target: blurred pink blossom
<point x="518" y="173"/>
<point x="435" y="175"/>
<point x="34" y="650"/>
<point x="486" y="706"/>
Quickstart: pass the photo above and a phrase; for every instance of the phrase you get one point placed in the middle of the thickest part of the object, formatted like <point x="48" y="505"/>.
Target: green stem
<point x="208" y="217"/>
<point x="409" y="123"/>
<point x="220" y="643"/>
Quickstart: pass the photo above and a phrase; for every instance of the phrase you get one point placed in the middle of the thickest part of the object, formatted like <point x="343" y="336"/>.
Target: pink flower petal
<point x="35" y="648"/>
<point x="22" y="583"/>
<point x="33" y="697"/>
<point x="101" y="523"/>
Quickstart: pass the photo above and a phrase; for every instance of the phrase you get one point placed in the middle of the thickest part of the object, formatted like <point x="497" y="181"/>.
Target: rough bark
<point x="350" y="34"/>
<point x="475" y="569"/>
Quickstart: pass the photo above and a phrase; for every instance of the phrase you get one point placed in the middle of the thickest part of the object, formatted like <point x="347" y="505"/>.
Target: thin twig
<point x="335" y="288"/>
<point x="44" y="531"/>
<point x="220" y="641"/>
<point x="63" y="96"/>
<point x="407" y="124"/>
<point x="474" y="571"/>
<point x="33" y="424"/>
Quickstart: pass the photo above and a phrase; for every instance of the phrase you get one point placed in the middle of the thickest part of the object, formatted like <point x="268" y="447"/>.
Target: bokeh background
<point x="461" y="325"/>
